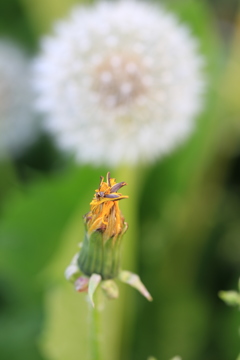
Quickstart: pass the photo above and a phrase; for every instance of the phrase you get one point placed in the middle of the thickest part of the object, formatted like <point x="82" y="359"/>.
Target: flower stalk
<point x="95" y="331"/>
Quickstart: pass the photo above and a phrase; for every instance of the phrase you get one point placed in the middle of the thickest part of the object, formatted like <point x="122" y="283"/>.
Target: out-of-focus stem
<point x="129" y="256"/>
<point x="134" y="177"/>
<point x="95" y="352"/>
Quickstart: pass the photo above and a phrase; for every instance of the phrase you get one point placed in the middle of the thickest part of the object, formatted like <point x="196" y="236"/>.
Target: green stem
<point x="134" y="177"/>
<point x="95" y="330"/>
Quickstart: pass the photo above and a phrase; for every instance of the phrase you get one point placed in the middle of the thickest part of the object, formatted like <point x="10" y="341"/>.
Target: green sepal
<point x="92" y="286"/>
<point x="134" y="281"/>
<point x="110" y="289"/>
<point x="91" y="254"/>
<point x="111" y="258"/>
<point x="72" y="272"/>
<point x="100" y="257"/>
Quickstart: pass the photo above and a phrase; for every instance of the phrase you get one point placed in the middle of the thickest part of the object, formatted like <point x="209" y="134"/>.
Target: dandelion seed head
<point x="116" y="87"/>
<point x="17" y="129"/>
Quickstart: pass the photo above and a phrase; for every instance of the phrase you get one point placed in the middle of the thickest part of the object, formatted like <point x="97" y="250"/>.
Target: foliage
<point x="187" y="222"/>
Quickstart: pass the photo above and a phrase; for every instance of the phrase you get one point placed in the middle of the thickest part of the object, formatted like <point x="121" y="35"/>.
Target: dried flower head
<point x="105" y="227"/>
<point x="99" y="257"/>
<point x="17" y="128"/>
<point x="105" y="215"/>
<point x="119" y="82"/>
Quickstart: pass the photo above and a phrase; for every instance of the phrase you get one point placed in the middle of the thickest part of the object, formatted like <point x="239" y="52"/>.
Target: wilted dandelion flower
<point x="17" y="129"/>
<point x="119" y="82"/>
<point x="99" y="259"/>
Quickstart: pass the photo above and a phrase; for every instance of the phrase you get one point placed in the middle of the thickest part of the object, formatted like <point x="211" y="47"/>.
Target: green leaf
<point x="34" y="218"/>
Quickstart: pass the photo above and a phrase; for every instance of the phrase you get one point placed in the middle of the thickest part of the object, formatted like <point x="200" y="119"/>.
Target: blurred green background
<point x="184" y="212"/>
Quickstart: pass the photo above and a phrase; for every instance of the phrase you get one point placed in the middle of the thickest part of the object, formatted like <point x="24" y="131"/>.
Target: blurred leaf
<point x="14" y="22"/>
<point x="230" y="91"/>
<point x="43" y="13"/>
<point x="176" y="213"/>
<point x="8" y="180"/>
<point x="34" y="218"/>
<point x="31" y="230"/>
<point x="21" y="318"/>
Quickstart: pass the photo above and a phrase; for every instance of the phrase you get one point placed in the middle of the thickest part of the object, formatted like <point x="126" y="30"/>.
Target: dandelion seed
<point x="17" y="128"/>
